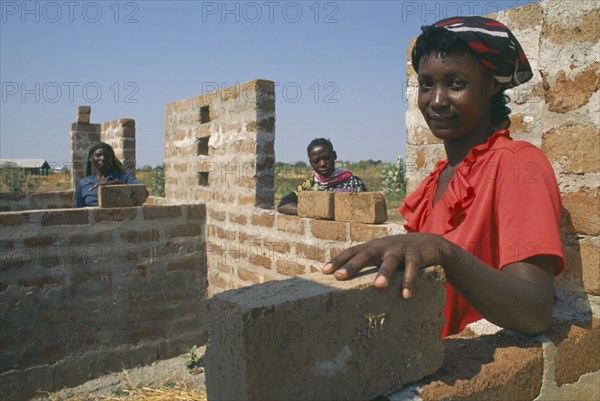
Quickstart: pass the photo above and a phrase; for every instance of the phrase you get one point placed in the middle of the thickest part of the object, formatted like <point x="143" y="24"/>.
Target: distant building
<point x="29" y="166"/>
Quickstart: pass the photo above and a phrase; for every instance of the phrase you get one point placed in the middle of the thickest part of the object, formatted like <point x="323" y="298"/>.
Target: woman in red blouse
<point x="490" y="213"/>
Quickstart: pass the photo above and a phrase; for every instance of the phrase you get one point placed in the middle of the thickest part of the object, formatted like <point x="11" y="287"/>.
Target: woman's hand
<point x="109" y="181"/>
<point x="413" y="251"/>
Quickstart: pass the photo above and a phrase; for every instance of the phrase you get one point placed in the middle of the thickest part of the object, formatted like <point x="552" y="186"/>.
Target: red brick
<point x="13" y="219"/>
<point x="360" y="207"/>
<point x="292" y="224"/>
<point x="217" y="215"/>
<point x="65" y="217"/>
<point x="364" y="232"/>
<point x="263" y="219"/>
<point x="225" y="234"/>
<point x="249" y="276"/>
<point x="238" y="218"/>
<point x="581" y="214"/>
<point x="313" y="252"/>
<point x="289" y="268"/>
<point x="330" y="230"/>
<point x="577" y="346"/>
<point x="491" y="367"/>
<point x="259" y="260"/>
<point x="316" y="204"/>
<point x="161" y="212"/>
<point x="117" y="214"/>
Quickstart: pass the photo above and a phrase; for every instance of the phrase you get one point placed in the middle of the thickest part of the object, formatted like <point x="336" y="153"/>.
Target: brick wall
<point x="219" y="147"/>
<point x="120" y="134"/>
<point x="86" y="291"/>
<point x="12" y="202"/>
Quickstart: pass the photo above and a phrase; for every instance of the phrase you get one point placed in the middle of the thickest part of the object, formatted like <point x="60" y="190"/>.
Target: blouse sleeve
<point x="528" y="208"/>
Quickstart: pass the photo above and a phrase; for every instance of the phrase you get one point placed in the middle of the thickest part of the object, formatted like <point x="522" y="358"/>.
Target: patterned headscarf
<point x="493" y="43"/>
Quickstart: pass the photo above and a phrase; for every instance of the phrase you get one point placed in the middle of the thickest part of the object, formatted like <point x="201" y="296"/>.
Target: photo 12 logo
<point x="53" y="12"/>
<point x="289" y="92"/>
<point x="432" y="11"/>
<point x="71" y="92"/>
<point x="252" y="12"/>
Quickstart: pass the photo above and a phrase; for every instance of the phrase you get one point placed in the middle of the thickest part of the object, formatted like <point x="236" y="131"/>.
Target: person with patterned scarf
<point x="489" y="214"/>
<point x="326" y="177"/>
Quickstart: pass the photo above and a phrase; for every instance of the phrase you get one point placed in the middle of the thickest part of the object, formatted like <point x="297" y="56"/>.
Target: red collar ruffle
<point x="458" y="197"/>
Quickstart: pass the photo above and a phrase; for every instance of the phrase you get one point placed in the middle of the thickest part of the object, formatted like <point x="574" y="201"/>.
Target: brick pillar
<point x="83" y="135"/>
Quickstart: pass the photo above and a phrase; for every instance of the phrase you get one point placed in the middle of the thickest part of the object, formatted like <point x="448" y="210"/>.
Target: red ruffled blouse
<point x="503" y="205"/>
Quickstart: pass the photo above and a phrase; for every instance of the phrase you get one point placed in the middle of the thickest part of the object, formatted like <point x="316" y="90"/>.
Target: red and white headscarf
<point x="494" y="44"/>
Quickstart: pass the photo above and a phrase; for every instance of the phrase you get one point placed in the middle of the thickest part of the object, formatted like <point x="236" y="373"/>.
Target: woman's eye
<point x="456" y="84"/>
<point x="425" y="86"/>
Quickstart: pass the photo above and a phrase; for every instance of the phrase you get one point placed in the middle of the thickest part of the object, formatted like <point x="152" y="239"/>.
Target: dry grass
<point x="166" y="392"/>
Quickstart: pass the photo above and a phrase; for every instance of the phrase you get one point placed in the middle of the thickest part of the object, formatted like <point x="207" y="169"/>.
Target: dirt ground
<point x="166" y="380"/>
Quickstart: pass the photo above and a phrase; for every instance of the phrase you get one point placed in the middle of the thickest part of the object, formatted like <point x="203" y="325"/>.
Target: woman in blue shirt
<point x="103" y="168"/>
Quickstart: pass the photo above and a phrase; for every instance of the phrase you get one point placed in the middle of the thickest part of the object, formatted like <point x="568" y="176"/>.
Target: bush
<point x="157" y="180"/>
<point x="393" y="179"/>
<point x="13" y="177"/>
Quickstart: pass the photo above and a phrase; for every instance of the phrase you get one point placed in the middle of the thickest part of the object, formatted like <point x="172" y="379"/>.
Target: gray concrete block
<point x="314" y="338"/>
<point x="122" y="195"/>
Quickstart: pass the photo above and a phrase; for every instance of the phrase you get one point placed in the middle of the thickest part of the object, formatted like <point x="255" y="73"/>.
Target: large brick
<point x="120" y="214"/>
<point x="290" y="224"/>
<point x="263" y="219"/>
<point x="575" y="148"/>
<point x="122" y="195"/>
<point x="316" y="204"/>
<point x="490" y="367"/>
<point x="65" y="217"/>
<point x="313" y="337"/>
<point x="360" y="207"/>
<point x="565" y="93"/>
<point x="161" y="212"/>
<point x="577" y="346"/>
<point x="13" y="219"/>
<point x="288" y="267"/>
<point x="582" y="211"/>
<point x="330" y="230"/>
<point x="364" y="232"/>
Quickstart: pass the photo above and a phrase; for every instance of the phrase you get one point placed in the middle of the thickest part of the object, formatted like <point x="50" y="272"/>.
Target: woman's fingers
<point x="390" y="263"/>
<point x="411" y="269"/>
<point x="351" y="261"/>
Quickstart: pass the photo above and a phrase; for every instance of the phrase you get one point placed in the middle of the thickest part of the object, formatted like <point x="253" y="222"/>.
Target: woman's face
<point x="455" y="94"/>
<point x="101" y="160"/>
<point x="322" y="160"/>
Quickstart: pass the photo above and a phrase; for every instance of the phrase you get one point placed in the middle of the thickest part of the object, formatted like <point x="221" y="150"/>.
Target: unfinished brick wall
<point x="13" y="202"/>
<point x="120" y="134"/>
<point x="86" y="291"/>
<point x="219" y="147"/>
<point x="558" y="111"/>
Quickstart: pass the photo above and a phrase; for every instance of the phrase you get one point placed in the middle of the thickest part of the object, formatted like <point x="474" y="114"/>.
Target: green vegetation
<point x="378" y="176"/>
<point x="153" y="178"/>
<point x="14" y="179"/>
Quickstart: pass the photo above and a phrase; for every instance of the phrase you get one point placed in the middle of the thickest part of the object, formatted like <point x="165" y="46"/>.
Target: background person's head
<point x="321" y="156"/>
<point x="101" y="158"/>
<point x="488" y="42"/>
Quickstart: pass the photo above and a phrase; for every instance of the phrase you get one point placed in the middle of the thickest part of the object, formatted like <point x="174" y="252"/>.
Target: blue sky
<point x="339" y="67"/>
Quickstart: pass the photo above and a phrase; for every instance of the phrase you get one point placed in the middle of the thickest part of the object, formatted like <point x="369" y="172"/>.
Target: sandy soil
<point x="159" y="374"/>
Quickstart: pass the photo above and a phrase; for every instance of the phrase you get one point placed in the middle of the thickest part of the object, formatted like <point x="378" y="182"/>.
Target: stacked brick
<point x="85" y="291"/>
<point x="220" y="147"/>
<point x="120" y="134"/>
<point x="13" y="202"/>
